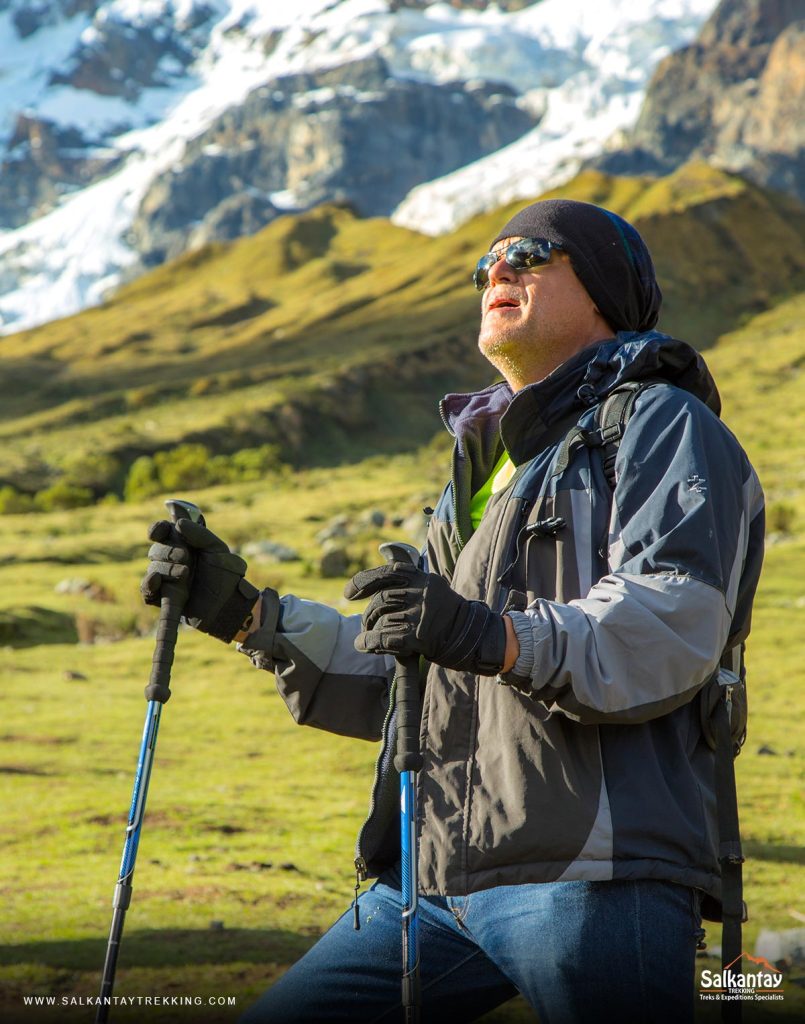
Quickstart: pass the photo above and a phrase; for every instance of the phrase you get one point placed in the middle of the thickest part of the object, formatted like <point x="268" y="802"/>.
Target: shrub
<point x="187" y="465"/>
<point x="142" y="480"/>
<point x="96" y="470"/>
<point x="255" y="463"/>
<point x="13" y="502"/>
<point x="64" y="495"/>
<point x="192" y="466"/>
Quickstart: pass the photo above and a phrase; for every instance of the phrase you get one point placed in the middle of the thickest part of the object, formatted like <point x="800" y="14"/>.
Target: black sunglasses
<point x="522" y="255"/>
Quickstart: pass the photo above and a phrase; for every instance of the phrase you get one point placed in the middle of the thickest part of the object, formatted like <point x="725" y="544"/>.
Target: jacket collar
<point x="482" y="420"/>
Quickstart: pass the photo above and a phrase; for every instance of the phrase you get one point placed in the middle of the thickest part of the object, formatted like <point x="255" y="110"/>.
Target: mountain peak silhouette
<point x="759" y="960"/>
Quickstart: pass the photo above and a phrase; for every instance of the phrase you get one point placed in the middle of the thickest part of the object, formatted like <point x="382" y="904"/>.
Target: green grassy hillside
<point x="330" y="336"/>
<point x="759" y="371"/>
<point x="251" y="820"/>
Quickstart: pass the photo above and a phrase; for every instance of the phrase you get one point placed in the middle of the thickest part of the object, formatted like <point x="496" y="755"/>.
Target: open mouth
<point x="503" y="304"/>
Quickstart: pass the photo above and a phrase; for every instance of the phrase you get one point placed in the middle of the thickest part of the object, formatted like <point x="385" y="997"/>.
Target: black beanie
<point x="609" y="257"/>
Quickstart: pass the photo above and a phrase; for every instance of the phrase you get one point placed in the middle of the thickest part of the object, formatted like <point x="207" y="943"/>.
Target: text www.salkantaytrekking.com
<point x="129" y="1000"/>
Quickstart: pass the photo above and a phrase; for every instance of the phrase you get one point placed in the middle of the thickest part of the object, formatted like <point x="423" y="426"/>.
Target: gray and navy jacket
<point x="588" y="760"/>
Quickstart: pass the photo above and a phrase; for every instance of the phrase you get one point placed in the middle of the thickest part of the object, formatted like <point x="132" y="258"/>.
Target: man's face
<point x="533" y="320"/>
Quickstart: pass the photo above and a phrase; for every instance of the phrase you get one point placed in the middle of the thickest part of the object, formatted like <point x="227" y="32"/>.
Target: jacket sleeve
<point x="685" y="547"/>
<point x="324" y="681"/>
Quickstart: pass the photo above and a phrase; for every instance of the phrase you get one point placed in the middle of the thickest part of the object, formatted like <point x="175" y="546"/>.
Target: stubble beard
<point x="508" y="352"/>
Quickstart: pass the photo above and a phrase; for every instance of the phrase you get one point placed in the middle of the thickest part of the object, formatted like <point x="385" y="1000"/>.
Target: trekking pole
<point x="157" y="693"/>
<point x="408" y="761"/>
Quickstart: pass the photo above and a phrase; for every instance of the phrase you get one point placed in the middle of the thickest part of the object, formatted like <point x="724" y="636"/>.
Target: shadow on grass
<point x="777" y="852"/>
<point x="28" y="627"/>
<point x="169" y="947"/>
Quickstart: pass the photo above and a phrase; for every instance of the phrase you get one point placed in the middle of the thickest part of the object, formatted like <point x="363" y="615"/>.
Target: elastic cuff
<point x="524" y="666"/>
<point x="259" y="645"/>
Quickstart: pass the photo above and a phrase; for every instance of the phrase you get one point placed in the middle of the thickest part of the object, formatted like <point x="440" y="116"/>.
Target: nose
<point x="501" y="272"/>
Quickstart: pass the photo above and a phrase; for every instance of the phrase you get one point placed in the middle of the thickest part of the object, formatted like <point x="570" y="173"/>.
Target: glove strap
<point x="481" y="648"/>
<point x="492" y="648"/>
<point x="227" y="623"/>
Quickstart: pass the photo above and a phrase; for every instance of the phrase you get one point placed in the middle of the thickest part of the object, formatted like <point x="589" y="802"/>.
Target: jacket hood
<point x="478" y="419"/>
<point x="632" y="356"/>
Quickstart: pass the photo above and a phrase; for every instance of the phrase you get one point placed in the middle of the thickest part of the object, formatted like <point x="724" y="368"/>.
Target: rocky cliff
<point x="351" y="134"/>
<point x="734" y="97"/>
<point x="117" y="54"/>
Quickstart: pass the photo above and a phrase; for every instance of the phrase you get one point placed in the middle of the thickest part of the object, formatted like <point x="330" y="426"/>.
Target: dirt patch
<point x="263" y="865"/>
<point x="20" y="769"/>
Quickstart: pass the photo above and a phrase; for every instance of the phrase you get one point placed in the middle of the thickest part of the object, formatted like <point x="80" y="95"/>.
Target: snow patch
<point x="616" y="47"/>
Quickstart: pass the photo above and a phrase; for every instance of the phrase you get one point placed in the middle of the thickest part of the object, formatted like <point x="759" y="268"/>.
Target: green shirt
<point x="501" y="475"/>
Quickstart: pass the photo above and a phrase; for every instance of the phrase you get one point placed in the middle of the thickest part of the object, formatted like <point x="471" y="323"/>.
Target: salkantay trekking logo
<point x="764" y="985"/>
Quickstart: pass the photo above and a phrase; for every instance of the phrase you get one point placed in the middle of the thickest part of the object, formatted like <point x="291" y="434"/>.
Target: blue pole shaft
<point x="408" y="762"/>
<point x="123" y="889"/>
<point x="140" y="793"/>
<point x="410" y="886"/>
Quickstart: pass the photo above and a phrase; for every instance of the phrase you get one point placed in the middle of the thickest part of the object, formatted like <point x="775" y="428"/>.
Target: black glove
<point x="415" y="612"/>
<point x="192" y="558"/>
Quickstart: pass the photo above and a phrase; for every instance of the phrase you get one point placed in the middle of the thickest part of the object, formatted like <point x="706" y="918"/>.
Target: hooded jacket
<point x="588" y="760"/>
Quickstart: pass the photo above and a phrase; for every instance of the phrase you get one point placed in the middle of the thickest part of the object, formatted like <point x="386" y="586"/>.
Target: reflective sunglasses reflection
<point x="520" y="255"/>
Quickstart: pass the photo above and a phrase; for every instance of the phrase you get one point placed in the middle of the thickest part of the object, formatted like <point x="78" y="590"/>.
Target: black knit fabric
<point x="608" y="255"/>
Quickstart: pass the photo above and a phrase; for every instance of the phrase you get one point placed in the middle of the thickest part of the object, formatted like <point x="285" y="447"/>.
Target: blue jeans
<point x="578" y="951"/>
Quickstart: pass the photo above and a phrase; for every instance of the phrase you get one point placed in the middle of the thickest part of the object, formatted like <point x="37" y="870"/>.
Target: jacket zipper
<point x="454" y="478"/>
<point x="360" y="876"/>
<point x="502" y="580"/>
<point x="459" y="537"/>
<point x="496" y="597"/>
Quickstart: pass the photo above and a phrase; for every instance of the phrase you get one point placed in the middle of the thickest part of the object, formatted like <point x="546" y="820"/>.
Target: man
<point x="571" y="613"/>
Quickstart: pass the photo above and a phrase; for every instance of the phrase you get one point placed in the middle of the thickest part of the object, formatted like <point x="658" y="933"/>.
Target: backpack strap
<point x="611" y="418"/>
<point x="730" y="856"/>
<point x="726" y="735"/>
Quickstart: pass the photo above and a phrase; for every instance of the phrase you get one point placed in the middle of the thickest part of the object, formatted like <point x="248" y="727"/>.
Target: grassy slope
<point x="237" y="786"/>
<point x="237" y="345"/>
<point x="760" y="371"/>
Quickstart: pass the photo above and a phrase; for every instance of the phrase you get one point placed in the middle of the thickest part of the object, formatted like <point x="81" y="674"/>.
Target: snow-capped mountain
<point x="131" y="130"/>
<point x="734" y="97"/>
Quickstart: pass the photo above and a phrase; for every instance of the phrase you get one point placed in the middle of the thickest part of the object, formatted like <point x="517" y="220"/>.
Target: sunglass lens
<point x="528" y="252"/>
<point x="522" y="255"/>
<point x="481" y="276"/>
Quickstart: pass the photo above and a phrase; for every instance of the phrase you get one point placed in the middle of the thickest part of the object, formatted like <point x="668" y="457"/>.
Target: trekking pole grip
<point x="406" y="697"/>
<point x="408" y="757"/>
<point x="172" y="604"/>
<point x="170" y="612"/>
